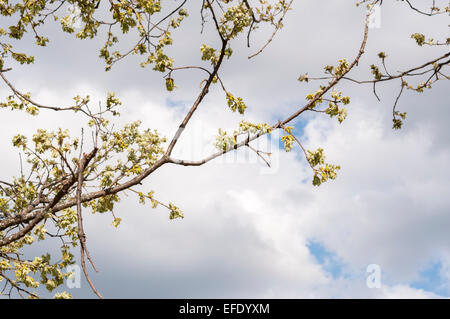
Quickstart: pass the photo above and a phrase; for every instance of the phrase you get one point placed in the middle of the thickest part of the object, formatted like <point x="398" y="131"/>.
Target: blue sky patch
<point x="175" y="103"/>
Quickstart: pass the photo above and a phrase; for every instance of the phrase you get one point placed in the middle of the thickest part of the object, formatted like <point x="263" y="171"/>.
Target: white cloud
<point x="405" y="292"/>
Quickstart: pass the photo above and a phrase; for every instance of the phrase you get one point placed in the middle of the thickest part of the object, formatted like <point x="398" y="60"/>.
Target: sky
<point x="250" y="231"/>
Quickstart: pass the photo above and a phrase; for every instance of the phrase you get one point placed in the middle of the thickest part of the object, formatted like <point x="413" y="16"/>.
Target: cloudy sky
<point x="250" y="231"/>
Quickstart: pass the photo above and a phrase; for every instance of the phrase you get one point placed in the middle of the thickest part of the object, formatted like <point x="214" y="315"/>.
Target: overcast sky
<point x="253" y="232"/>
